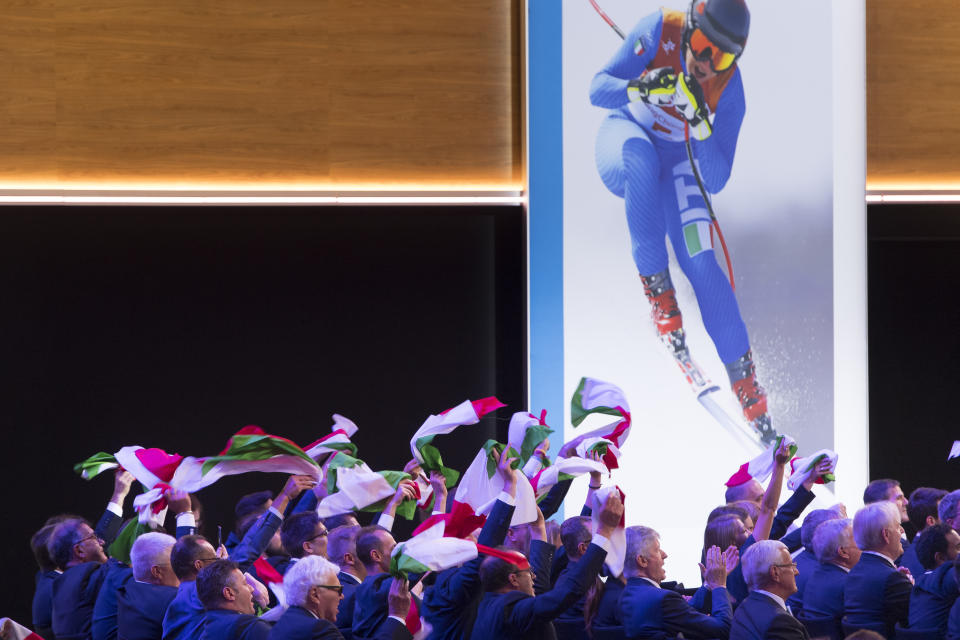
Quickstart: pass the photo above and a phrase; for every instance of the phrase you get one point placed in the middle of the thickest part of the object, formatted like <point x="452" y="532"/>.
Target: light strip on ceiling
<point x="916" y="197"/>
<point x="252" y="198"/>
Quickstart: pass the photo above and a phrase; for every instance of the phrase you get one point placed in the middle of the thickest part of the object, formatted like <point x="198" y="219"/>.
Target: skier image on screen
<point x="675" y="82"/>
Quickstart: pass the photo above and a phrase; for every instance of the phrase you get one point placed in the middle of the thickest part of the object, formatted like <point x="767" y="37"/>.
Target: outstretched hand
<point x="715" y="572"/>
<point x="506" y="472"/>
<point x="398" y="600"/>
<point x="610" y="514"/>
<point x="122" y="480"/>
<point x="782" y="455"/>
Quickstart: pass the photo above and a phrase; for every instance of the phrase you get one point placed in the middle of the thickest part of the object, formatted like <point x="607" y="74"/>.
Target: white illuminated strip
<point x="913" y="196"/>
<point x="253" y="198"/>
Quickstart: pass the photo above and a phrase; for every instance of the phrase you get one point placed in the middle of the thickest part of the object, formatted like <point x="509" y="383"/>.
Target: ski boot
<point x="669" y="323"/>
<point x="752" y="397"/>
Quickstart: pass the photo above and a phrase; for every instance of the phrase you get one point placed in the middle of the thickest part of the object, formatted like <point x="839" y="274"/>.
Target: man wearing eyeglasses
<point x="228" y="600"/>
<point x="303" y="535"/>
<point x="771" y="574"/>
<point x="675" y="81"/>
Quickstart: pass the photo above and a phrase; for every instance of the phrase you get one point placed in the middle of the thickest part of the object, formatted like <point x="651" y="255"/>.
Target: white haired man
<point x="877" y="593"/>
<point x="838" y="554"/>
<point x="143" y="601"/>
<point x="647" y="610"/>
<point x="314" y="593"/>
<point x="771" y="576"/>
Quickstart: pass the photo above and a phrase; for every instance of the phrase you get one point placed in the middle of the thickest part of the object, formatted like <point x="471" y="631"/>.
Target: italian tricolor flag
<point x="353" y="486"/>
<point x="481" y="485"/>
<point x="10" y="630"/>
<point x="802" y="468"/>
<point x="596" y="397"/>
<point x="575" y="466"/>
<point x="338" y="440"/>
<point x="761" y="467"/>
<point x="527" y="432"/>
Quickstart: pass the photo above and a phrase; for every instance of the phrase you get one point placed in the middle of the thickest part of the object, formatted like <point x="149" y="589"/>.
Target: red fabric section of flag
<point x="325" y="438"/>
<point x="161" y="504"/>
<point x="159" y="462"/>
<point x="483" y="406"/>
<point x="413" y="618"/>
<point x="741" y="476"/>
<point x="535" y="480"/>
<point x="266" y="572"/>
<point x="543" y="417"/>
<point x="249" y="430"/>
<point x="513" y="557"/>
<point x="611" y="460"/>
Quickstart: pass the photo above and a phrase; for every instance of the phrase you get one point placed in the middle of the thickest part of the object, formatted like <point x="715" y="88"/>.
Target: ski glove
<point x="689" y="101"/>
<point x="656" y="87"/>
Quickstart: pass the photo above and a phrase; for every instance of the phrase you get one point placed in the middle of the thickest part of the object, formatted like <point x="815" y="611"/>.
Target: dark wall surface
<point x="173" y="328"/>
<point x="914" y="343"/>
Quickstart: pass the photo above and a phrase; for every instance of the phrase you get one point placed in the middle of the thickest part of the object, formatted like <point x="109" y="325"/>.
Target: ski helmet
<point x="716" y="30"/>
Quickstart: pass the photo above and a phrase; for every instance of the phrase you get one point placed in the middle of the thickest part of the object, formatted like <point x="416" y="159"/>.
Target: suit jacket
<point x="824" y="592"/>
<point x="760" y="618"/>
<point x="608" y="611"/>
<point x="516" y="615"/>
<point x="74" y="594"/>
<point x="299" y="624"/>
<point x="349" y="583"/>
<point x="932" y="597"/>
<point x="140" y="610"/>
<point x="651" y="612"/>
<point x="184" y="617"/>
<point x="807" y="563"/>
<point x="450" y="606"/>
<point x="220" y="624"/>
<point x="43" y="604"/>
<point x="104" y="625"/>
<point x="953" y="622"/>
<point x="911" y="561"/>
<point x="876" y="593"/>
<point x="370" y="610"/>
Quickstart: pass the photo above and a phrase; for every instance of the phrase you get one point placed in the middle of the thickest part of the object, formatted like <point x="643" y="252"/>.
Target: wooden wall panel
<point x="913" y="89"/>
<point x="308" y="93"/>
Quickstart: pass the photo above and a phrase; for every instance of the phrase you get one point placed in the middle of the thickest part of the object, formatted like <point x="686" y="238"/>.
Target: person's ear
<point x="375" y="555"/>
<point x="931" y="520"/>
<point x="514" y="580"/>
<point x="156" y="572"/>
<point x="228" y="594"/>
<point x="348" y="558"/>
<point x="642" y="561"/>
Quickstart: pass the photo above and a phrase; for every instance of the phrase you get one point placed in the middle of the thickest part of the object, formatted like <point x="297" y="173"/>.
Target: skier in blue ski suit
<point x="674" y="79"/>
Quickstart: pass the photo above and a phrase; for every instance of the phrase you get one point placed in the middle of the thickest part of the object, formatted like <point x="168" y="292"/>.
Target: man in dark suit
<point x="450" y="606"/>
<point x="185" y="615"/>
<point x="302" y="534"/>
<point x="342" y="551"/>
<point x="771" y="576"/>
<point x="936" y="589"/>
<point x="228" y="600"/>
<point x="142" y="602"/>
<point x="838" y="554"/>
<point x="313" y="595"/>
<point x="877" y="594"/>
<point x="922" y="509"/>
<point x="889" y="490"/>
<point x="510" y="609"/>
<point x="647" y="610"/>
<point x="806" y="560"/>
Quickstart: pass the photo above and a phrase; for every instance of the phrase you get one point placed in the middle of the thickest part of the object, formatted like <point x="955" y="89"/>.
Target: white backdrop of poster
<point x="777" y="213"/>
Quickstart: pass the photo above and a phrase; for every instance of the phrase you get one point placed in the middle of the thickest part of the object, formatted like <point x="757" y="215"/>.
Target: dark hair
<point x="813" y="520"/>
<point x="932" y="540"/>
<point x="252" y="503"/>
<point x="368" y="539"/>
<point x="573" y="531"/>
<point x="731" y="509"/>
<point x="877" y="490"/>
<point x="721" y="532"/>
<point x="341" y="541"/>
<point x="296" y="530"/>
<point x="197" y="507"/>
<point x="61" y="541"/>
<point x="348" y="519"/>
<point x="212" y="579"/>
<point x="38" y="544"/>
<point x="185" y="552"/>
<point x="495" y="573"/>
<point x="243" y="525"/>
<point x="923" y="503"/>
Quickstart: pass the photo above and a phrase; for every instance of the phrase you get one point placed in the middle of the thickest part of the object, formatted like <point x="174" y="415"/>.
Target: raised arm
<point x="771" y="497"/>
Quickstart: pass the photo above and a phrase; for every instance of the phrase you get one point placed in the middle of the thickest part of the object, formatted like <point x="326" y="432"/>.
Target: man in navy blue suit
<point x="922" y="509"/>
<point x="936" y="589"/>
<point x="143" y="601"/>
<point x="342" y="551"/>
<point x="889" y="490"/>
<point x="228" y="599"/>
<point x="510" y="609"/>
<point x="302" y="534"/>
<point x="647" y="610"/>
<point x="771" y="576"/>
<point x="184" y="617"/>
<point x="806" y="560"/>
<point x="313" y="595"/>
<point x="877" y="594"/>
<point x="838" y="554"/>
<point x="450" y="606"/>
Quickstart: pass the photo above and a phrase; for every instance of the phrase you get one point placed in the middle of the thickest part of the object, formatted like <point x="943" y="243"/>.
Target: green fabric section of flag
<point x="256" y="447"/>
<point x="339" y="460"/>
<point x="827" y="477"/>
<point x="577" y="411"/>
<point x="401" y="565"/>
<point x="120" y="548"/>
<point x="492" y="445"/>
<point x="792" y="448"/>
<point x="534" y="435"/>
<point x="406" y="509"/>
<point x="432" y="461"/>
<point x="95" y="464"/>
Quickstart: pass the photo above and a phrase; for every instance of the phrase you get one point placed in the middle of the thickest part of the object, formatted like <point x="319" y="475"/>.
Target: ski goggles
<point x="705" y="49"/>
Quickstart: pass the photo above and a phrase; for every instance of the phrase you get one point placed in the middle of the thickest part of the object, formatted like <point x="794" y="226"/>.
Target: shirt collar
<point x="888" y="559"/>
<point x="650" y="581"/>
<point x="840" y="566"/>
<point x="774" y="597"/>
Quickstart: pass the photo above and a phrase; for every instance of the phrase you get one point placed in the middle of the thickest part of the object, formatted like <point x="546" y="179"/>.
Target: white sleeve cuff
<point x="438" y="513"/>
<point x="506" y="498"/>
<point x="386" y="521"/>
<point x="275" y="512"/>
<point x="115" y="509"/>
<point x="186" y="519"/>
<point x="532" y="467"/>
<point x="602" y="542"/>
<point x="399" y="619"/>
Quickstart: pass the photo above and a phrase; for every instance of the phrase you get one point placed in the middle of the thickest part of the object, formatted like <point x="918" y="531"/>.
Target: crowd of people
<point x="287" y="573"/>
